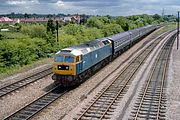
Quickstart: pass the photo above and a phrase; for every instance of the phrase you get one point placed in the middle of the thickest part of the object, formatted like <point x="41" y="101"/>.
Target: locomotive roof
<point x="83" y="48"/>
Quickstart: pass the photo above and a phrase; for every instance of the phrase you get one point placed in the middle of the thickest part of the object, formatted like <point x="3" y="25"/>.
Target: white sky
<point x="92" y="7"/>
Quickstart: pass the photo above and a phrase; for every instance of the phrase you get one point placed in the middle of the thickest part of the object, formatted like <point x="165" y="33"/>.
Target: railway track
<point x="103" y="105"/>
<point x="24" y="82"/>
<point x="37" y="105"/>
<point x="151" y="103"/>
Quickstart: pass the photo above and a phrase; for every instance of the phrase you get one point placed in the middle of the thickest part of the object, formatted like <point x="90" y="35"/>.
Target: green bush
<point x="34" y="30"/>
<point x="27" y="43"/>
<point x="111" y="29"/>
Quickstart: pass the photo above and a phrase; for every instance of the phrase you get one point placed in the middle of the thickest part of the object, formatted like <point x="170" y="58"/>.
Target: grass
<point x="167" y="28"/>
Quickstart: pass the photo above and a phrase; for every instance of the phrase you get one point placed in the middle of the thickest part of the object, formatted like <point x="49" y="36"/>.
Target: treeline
<point x="26" y="15"/>
<point x="98" y="27"/>
<point x="31" y="42"/>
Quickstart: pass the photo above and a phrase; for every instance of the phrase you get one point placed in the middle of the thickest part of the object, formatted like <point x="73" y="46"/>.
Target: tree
<point x="26" y="15"/>
<point x="123" y="22"/>
<point x="111" y="29"/>
<point x="94" y="22"/>
<point x="50" y="26"/>
<point x="34" y="30"/>
<point x="72" y="29"/>
<point x="157" y="17"/>
<point x="147" y="19"/>
<point x="139" y="22"/>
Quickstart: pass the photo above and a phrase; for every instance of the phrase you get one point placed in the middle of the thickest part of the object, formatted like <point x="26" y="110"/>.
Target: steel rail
<point x="158" y="59"/>
<point x="24" y="82"/>
<point x="162" y="84"/>
<point x="120" y="91"/>
<point x="37" y="105"/>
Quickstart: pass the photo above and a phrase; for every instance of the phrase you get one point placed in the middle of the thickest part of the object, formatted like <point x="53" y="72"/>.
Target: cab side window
<point x="77" y="59"/>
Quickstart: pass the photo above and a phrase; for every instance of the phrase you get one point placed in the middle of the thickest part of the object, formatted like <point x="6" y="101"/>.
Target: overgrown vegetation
<point x="26" y="43"/>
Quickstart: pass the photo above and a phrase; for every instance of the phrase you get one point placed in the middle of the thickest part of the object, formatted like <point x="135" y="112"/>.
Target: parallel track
<point x="151" y="103"/>
<point x="38" y="105"/>
<point x="24" y="82"/>
<point x="102" y="106"/>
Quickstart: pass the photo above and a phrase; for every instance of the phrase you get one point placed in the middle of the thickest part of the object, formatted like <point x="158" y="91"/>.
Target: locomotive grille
<point x="63" y="67"/>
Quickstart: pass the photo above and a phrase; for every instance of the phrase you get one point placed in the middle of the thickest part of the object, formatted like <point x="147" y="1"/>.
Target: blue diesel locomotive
<point x="74" y="64"/>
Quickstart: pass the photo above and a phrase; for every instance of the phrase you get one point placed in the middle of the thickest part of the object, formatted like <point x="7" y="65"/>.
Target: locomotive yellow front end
<point x="65" y="67"/>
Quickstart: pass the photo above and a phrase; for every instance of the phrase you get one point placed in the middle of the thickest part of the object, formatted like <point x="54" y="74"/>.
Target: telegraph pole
<point x="178" y="31"/>
<point x="163" y="13"/>
<point x="57" y="27"/>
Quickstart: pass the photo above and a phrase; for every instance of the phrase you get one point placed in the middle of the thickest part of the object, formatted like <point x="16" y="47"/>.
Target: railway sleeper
<point x="110" y="92"/>
<point x="108" y="96"/>
<point x="147" y="110"/>
<point x="44" y="101"/>
<point x="106" y="99"/>
<point x="150" y="103"/>
<point x="14" y="86"/>
<point x="103" y="101"/>
<point x="35" y="106"/>
<point x="41" y="104"/>
<point x="8" y="89"/>
<point x="87" y="118"/>
<point x="146" y="104"/>
<point x="92" y="115"/>
<point x="97" y="109"/>
<point x="20" y="116"/>
<point x="30" y="109"/>
<point x="153" y="93"/>
<point x="27" y="112"/>
<point x="148" y="94"/>
<point x="94" y="112"/>
<point x="50" y="97"/>
<point x="99" y="105"/>
<point x="162" y="115"/>
<point x="147" y="113"/>
<point x="156" y="98"/>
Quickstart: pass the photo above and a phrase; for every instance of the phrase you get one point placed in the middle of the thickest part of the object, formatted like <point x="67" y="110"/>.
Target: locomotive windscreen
<point x="59" y="58"/>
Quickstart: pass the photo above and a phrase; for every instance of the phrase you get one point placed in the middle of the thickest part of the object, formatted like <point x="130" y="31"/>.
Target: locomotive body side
<point x="86" y="59"/>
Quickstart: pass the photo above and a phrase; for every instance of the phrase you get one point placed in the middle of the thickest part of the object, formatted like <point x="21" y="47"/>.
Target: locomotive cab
<point x="65" y="66"/>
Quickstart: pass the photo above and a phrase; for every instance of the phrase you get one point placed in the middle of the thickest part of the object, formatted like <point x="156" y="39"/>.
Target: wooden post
<point x="57" y="27"/>
<point x="178" y="31"/>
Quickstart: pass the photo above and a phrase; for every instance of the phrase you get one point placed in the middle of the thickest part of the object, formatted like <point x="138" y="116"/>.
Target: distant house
<point x="67" y="19"/>
<point x="74" y="19"/>
<point x="6" y="20"/>
<point x="33" y="20"/>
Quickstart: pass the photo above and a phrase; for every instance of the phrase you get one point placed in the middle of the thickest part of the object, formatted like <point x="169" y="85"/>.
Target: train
<point x="73" y="65"/>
